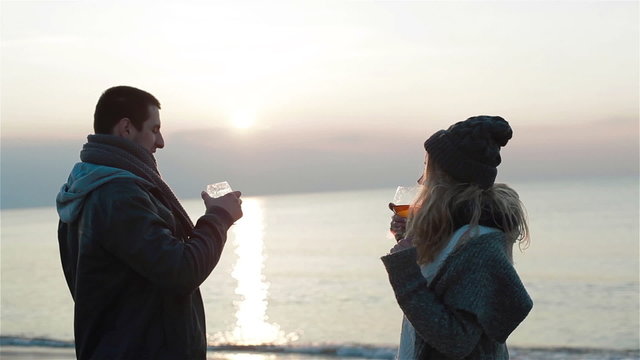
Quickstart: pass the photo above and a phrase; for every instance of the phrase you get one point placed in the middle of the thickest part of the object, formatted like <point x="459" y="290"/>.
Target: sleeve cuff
<point x="222" y="215"/>
<point x="402" y="265"/>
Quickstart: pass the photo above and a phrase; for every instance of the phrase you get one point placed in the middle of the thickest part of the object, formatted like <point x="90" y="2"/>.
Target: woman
<point x="452" y="273"/>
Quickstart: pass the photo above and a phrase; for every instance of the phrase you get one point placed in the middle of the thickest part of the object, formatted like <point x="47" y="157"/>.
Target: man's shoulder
<point x="121" y="189"/>
<point x="119" y="198"/>
<point x="126" y="184"/>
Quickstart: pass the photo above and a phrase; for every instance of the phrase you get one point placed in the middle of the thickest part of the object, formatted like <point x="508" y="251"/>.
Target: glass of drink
<point x="402" y="200"/>
<point x="218" y="189"/>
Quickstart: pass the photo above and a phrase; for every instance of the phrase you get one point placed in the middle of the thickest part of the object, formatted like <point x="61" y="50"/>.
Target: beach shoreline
<point x="516" y="353"/>
<point x="48" y="353"/>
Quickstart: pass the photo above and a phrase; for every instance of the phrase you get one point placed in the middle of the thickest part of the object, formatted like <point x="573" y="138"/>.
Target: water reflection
<point x="251" y="326"/>
<point x="244" y="356"/>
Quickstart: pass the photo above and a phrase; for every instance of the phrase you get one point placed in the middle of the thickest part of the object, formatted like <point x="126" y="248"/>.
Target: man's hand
<point x="230" y="203"/>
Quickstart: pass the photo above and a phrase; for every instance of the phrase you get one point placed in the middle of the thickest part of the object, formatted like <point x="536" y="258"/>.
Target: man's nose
<point x="159" y="141"/>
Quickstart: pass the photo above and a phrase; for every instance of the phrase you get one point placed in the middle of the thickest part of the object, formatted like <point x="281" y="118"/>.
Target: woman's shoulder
<point x="483" y="254"/>
<point x="480" y="278"/>
<point x="482" y="240"/>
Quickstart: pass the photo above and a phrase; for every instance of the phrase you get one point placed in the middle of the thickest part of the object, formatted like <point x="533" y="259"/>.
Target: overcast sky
<point x="315" y="95"/>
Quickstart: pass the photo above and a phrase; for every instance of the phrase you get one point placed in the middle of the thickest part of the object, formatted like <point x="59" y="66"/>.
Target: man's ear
<point x="122" y="128"/>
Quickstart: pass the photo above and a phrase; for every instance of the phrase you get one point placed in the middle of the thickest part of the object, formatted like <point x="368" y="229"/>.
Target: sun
<point x="243" y="118"/>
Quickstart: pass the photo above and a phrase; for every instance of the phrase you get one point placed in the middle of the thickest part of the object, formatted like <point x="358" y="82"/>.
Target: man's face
<point x="149" y="137"/>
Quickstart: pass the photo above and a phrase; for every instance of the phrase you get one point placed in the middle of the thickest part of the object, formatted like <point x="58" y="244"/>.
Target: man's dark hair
<point x="122" y="102"/>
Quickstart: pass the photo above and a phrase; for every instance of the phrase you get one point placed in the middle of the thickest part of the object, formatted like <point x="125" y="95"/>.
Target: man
<point x="131" y="256"/>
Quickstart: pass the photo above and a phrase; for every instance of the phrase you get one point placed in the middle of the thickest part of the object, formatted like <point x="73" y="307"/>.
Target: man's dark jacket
<point x="132" y="271"/>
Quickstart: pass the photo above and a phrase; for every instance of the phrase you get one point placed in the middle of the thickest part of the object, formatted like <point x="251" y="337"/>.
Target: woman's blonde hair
<point x="431" y="224"/>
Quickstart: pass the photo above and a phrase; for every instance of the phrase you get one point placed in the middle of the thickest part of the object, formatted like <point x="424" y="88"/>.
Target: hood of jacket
<point x="84" y="178"/>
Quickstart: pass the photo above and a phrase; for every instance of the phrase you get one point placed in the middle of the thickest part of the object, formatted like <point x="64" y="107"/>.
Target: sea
<point x="301" y="277"/>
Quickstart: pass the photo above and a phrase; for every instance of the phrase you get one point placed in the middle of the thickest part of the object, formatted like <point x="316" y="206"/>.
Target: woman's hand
<point x="403" y="244"/>
<point x="398" y="225"/>
<point x="398" y="228"/>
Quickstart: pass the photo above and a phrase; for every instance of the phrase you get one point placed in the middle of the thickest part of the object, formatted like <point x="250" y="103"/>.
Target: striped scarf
<point x="118" y="152"/>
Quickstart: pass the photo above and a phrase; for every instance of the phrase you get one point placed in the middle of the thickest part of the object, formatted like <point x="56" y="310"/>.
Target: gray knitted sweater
<point x="470" y="307"/>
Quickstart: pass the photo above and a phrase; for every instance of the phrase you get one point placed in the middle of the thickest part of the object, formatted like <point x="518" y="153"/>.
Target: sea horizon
<point x="557" y="178"/>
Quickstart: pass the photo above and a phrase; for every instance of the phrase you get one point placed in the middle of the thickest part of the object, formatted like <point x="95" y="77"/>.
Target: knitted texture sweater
<point x="471" y="306"/>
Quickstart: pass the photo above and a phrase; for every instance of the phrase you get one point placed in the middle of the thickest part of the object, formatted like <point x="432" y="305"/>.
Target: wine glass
<point x="403" y="198"/>
<point x="218" y="189"/>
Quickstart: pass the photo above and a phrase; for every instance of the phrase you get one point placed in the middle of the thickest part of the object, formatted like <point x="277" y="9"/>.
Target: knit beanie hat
<point x="469" y="151"/>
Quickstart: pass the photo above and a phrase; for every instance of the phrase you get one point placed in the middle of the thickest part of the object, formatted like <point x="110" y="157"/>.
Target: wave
<point x="361" y="351"/>
<point x="331" y="350"/>
<point x="337" y="350"/>
<point x="34" y="342"/>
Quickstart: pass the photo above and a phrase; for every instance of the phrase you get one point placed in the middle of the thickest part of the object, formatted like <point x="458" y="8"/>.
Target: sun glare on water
<point x="252" y="325"/>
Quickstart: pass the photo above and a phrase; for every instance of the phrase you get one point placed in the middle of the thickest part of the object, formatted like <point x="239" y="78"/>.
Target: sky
<point x="279" y="97"/>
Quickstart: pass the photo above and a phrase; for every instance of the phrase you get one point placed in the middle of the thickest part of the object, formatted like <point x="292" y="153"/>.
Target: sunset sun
<point x="243" y="119"/>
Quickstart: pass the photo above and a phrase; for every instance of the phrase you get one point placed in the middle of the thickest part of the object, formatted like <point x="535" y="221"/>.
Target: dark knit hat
<point x="469" y="150"/>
